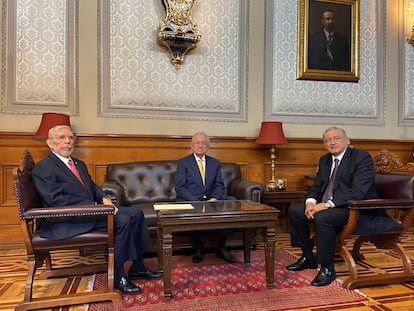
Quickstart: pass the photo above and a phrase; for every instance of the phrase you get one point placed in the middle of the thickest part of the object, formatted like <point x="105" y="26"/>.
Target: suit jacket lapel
<point x="196" y="170"/>
<point x="327" y="167"/>
<point x="344" y="163"/>
<point x="62" y="167"/>
<point x="85" y="177"/>
<point x="208" y="171"/>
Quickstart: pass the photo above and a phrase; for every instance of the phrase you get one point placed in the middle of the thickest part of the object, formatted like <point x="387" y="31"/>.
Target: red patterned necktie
<point x="75" y="171"/>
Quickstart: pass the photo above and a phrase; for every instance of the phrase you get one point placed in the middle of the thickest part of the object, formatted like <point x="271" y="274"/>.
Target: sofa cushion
<point x="229" y="173"/>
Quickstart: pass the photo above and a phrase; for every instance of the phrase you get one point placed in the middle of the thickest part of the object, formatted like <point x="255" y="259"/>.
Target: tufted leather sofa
<point x="141" y="184"/>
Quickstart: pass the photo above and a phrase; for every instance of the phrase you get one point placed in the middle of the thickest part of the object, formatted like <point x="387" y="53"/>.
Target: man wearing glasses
<point x="199" y="178"/>
<point x="63" y="180"/>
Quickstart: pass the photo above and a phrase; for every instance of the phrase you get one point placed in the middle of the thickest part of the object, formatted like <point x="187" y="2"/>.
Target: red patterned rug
<point x="216" y="285"/>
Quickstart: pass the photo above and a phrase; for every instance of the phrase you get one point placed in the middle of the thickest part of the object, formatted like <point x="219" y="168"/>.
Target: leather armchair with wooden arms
<point x="397" y="197"/>
<point x="39" y="249"/>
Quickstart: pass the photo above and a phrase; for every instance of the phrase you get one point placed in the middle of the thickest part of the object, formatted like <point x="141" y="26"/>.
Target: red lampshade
<point x="49" y="120"/>
<point x="271" y="133"/>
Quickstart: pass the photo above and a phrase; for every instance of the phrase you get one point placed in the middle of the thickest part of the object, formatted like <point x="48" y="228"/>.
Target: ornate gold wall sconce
<point x="408" y="18"/>
<point x="177" y="30"/>
<point x="411" y="38"/>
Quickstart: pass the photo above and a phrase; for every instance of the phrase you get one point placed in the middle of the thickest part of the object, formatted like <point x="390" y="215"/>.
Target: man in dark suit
<point x="328" y="50"/>
<point x="62" y="180"/>
<point x="199" y="178"/>
<point x="325" y="205"/>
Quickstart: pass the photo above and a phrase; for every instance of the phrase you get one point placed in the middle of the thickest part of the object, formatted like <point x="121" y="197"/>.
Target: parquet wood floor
<point x="398" y="297"/>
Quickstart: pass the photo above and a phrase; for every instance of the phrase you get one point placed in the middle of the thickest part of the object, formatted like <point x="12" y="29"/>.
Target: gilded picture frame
<point x="328" y="40"/>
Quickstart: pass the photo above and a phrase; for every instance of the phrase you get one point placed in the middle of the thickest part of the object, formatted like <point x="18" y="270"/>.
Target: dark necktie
<point x="75" y="171"/>
<point x="329" y="49"/>
<point x="327" y="195"/>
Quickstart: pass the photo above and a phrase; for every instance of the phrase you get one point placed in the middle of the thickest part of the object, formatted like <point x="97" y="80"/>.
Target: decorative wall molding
<point x="301" y="101"/>
<point x="39" y="56"/>
<point x="136" y="78"/>
<point x="406" y="64"/>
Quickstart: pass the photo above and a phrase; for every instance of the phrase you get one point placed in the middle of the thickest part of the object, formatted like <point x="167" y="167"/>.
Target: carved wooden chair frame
<point x="385" y="163"/>
<point x="38" y="249"/>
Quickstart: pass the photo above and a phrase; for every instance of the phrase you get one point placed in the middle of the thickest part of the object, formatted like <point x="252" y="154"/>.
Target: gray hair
<point x="334" y="128"/>
<point x="52" y="130"/>
<point x="200" y="133"/>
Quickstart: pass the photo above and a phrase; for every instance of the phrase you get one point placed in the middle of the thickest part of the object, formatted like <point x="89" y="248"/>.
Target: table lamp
<point x="271" y="133"/>
<point x="49" y="120"/>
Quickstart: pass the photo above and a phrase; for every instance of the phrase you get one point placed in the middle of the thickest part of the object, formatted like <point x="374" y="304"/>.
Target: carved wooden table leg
<point x="167" y="240"/>
<point x="247" y="233"/>
<point x="270" y="239"/>
<point x="160" y="252"/>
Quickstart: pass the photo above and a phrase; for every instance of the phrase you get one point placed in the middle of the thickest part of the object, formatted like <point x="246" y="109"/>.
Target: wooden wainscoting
<point x="294" y="160"/>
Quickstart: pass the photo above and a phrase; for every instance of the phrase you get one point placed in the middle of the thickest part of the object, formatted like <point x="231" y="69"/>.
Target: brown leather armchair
<point x="395" y="186"/>
<point x="38" y="249"/>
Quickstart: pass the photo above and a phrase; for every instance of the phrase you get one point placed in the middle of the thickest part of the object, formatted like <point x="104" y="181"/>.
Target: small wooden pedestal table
<point x="211" y="216"/>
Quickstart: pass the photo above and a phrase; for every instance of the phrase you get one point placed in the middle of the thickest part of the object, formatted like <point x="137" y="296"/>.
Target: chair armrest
<point x="69" y="211"/>
<point x="380" y="204"/>
<point x="246" y="190"/>
<point x="116" y="190"/>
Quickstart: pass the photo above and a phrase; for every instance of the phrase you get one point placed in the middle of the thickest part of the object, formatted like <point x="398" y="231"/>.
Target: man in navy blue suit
<point x="328" y="50"/>
<point x="326" y="207"/>
<point x="199" y="178"/>
<point x="58" y="185"/>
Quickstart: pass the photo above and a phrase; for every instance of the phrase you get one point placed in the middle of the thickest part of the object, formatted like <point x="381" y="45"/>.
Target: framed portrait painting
<point x="328" y="40"/>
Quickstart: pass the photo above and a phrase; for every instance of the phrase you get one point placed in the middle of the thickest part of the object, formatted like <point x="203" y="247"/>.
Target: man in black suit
<point x="199" y="178"/>
<point x="325" y="205"/>
<point x="328" y="50"/>
<point x="59" y="184"/>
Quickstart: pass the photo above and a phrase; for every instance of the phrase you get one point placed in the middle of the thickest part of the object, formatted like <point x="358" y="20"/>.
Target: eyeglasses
<point x="333" y="139"/>
<point x="61" y="138"/>
<point x="201" y="143"/>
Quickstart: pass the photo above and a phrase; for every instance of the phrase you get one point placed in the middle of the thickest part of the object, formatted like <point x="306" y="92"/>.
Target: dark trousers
<point x="131" y="238"/>
<point x="327" y="224"/>
<point x="195" y="238"/>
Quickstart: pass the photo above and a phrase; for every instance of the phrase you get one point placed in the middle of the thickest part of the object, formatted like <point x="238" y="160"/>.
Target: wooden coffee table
<point x="244" y="215"/>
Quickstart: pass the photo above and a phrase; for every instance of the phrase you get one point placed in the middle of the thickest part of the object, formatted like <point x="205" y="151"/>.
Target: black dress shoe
<point x="198" y="254"/>
<point x="324" y="277"/>
<point x="127" y="287"/>
<point x="222" y="252"/>
<point x="302" y="264"/>
<point x="147" y="274"/>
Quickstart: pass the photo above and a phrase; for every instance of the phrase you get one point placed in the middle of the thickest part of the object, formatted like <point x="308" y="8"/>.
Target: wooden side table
<point x="282" y="200"/>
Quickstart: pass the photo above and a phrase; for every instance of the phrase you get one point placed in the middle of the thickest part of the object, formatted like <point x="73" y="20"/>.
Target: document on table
<point x="166" y="207"/>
